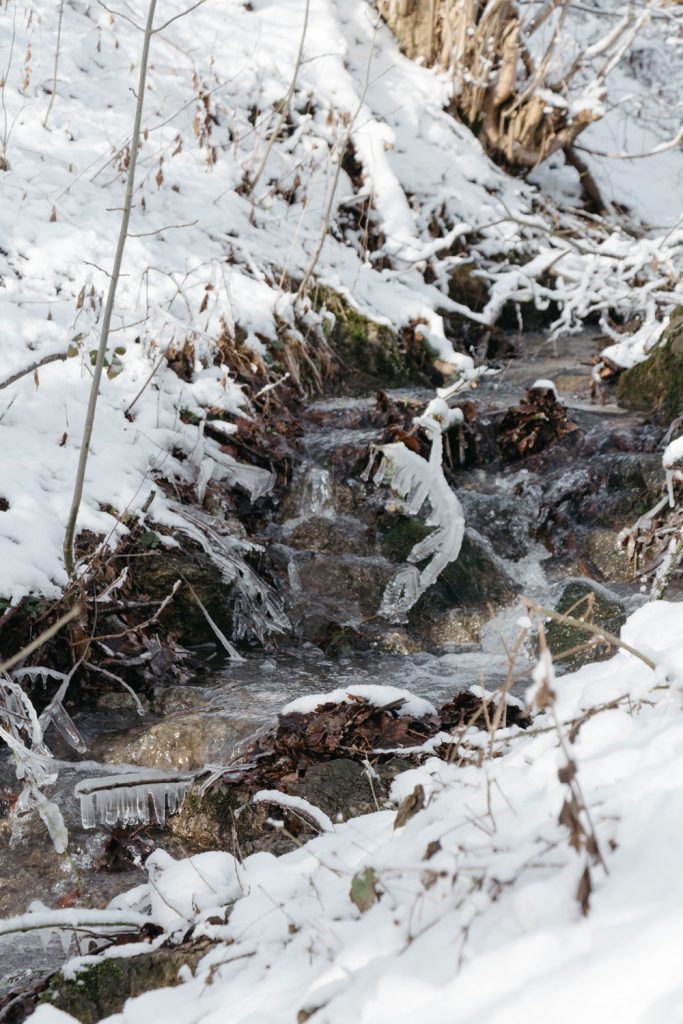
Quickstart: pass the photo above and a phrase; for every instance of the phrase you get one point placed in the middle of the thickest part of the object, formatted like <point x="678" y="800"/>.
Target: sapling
<point x="69" y="536"/>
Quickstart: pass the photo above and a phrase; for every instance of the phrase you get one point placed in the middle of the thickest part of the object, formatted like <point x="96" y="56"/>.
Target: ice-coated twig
<point x="417" y="481"/>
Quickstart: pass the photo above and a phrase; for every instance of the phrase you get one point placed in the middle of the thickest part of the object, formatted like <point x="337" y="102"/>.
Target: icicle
<point x="64" y="723"/>
<point x="127" y="798"/>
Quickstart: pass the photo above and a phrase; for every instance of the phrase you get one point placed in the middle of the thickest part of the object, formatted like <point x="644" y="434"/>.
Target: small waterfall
<point x="315" y="496"/>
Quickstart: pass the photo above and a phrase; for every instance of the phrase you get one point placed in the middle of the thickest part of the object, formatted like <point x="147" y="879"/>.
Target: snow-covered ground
<point x="205" y="258"/>
<point x="473" y="910"/>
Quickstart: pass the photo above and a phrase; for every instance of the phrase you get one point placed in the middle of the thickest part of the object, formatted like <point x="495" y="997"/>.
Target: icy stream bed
<point x="208" y="721"/>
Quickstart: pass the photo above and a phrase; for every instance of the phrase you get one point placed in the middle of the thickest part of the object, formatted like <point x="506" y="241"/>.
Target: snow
<point x="203" y="258"/>
<point x="378" y="695"/>
<point x="181" y="891"/>
<point x="475" y="914"/>
<point x="274" y="796"/>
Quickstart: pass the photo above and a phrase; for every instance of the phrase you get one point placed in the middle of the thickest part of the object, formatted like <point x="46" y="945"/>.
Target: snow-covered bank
<point x="414" y="200"/>
<point x="471" y="909"/>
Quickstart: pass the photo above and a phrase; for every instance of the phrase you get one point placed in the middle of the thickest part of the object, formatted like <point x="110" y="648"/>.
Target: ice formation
<point x="257" y="610"/>
<point x="131" y="798"/>
<point x="672" y="460"/>
<point x="417" y="480"/>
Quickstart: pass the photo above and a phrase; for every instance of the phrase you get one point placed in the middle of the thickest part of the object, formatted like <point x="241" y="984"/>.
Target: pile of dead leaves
<point x="538" y="422"/>
<point x="357" y="730"/>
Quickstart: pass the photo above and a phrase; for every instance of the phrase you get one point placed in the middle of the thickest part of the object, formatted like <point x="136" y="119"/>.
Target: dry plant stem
<point x="124" y="922"/>
<point x="41" y="639"/>
<point x="588" y="627"/>
<point x="109" y="306"/>
<point x="56" y="67"/>
<point x="579" y="792"/>
<point x="284" y="106"/>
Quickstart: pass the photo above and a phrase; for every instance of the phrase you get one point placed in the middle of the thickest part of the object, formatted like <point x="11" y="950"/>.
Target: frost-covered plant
<point x="23" y="730"/>
<point x="416" y="481"/>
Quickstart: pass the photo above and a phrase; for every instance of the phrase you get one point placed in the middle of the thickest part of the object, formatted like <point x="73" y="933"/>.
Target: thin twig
<point x="41" y="639"/>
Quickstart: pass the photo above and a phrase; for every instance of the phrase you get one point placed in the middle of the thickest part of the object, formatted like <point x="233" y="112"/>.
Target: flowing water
<point x="332" y="571"/>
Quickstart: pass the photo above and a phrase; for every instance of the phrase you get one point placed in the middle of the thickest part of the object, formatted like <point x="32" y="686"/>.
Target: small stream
<point x="332" y="565"/>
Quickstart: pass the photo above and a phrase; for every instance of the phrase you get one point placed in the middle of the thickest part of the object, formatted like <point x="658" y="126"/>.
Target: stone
<point x="656" y="384"/>
<point x="602" y="551"/>
<point x="563" y="637"/>
<point x="179" y="742"/>
<point x="225" y="817"/>
<point x="368" y="350"/>
<point x="101" y="989"/>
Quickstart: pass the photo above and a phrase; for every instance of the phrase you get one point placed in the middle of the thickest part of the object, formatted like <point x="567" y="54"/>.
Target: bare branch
<point x="54" y="358"/>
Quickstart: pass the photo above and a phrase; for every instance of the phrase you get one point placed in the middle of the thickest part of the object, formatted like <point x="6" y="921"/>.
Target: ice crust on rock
<point x="132" y="798"/>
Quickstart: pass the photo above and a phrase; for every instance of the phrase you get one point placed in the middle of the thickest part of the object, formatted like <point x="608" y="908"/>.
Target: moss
<point x="466" y="288"/>
<point x="101" y="990"/>
<point x="399" y="534"/>
<point x="366" y="348"/>
<point x="562" y="637"/>
<point x="657" y="383"/>
<point x="472" y="579"/>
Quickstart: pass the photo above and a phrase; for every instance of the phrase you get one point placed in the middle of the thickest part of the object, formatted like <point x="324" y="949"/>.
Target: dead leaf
<point x="363" y="890"/>
<point x="409" y="806"/>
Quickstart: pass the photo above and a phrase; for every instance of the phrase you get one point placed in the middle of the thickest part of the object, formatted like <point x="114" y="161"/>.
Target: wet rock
<point x="601" y="550"/>
<point x="102" y="989"/>
<point x="225" y="817"/>
<point x="657" y="383"/>
<point x="397" y="641"/>
<point x="179" y="742"/>
<point x="342" y="535"/>
<point x="156" y="576"/>
<point x="476" y="578"/>
<point x="582" y="601"/>
<point x="453" y="627"/>
<point x="330" y="590"/>
<point x="169" y="699"/>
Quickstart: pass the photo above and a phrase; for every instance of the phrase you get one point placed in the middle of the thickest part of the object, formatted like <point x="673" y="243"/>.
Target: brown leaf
<point x="432" y="849"/>
<point x="567" y="772"/>
<point x="409" y="806"/>
<point x="584" y="890"/>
